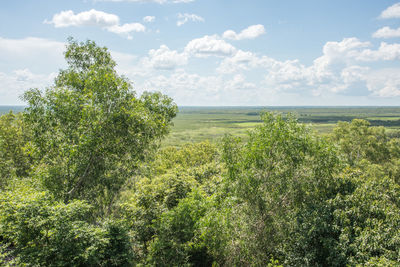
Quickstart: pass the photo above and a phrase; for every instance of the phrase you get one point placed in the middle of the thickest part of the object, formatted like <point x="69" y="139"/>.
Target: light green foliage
<point x="200" y="161"/>
<point x="379" y="262"/>
<point x="164" y="208"/>
<point x="188" y="156"/>
<point x="90" y="130"/>
<point x="14" y="148"/>
<point x="357" y="140"/>
<point x="362" y="145"/>
<point x="274" y="263"/>
<point x="41" y="231"/>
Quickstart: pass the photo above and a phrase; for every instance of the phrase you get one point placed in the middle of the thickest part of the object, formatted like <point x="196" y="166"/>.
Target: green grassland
<point x="194" y="124"/>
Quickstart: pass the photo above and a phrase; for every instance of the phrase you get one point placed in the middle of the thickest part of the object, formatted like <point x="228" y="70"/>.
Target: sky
<point x="215" y="52"/>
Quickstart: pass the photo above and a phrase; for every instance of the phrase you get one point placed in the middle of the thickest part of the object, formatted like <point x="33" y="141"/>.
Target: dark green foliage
<point x="44" y="232"/>
<point x="353" y="227"/>
<point x="175" y="243"/>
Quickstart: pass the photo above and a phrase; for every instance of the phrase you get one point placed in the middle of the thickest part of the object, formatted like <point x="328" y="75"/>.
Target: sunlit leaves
<point x="90" y="130"/>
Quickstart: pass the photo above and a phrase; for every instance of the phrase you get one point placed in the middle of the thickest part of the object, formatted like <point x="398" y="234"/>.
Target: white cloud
<point x="86" y="18"/>
<point x="354" y="74"/>
<point x="16" y="83"/>
<point x="384" y="52"/>
<point x="336" y="56"/>
<point x="195" y="89"/>
<point x="337" y="71"/>
<point x="239" y="83"/>
<point x="149" y="19"/>
<point x="241" y="60"/>
<point x="27" y="45"/>
<point x="346" y="68"/>
<point x="209" y="46"/>
<point x="93" y="17"/>
<point x="165" y="59"/>
<point x="386" y="32"/>
<point x="341" y="70"/>
<point x="334" y="52"/>
<point x="250" y="32"/>
<point x="127" y="28"/>
<point x="37" y="54"/>
<point x="334" y="71"/>
<point x="288" y="76"/>
<point x="391" y="12"/>
<point x="384" y="82"/>
<point x="183" y="18"/>
<point x="123" y="59"/>
<point x="183" y="87"/>
<point x="350" y="77"/>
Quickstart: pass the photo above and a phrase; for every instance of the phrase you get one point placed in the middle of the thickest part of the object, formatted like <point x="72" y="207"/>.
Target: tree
<point x="90" y="130"/>
<point x="280" y="169"/>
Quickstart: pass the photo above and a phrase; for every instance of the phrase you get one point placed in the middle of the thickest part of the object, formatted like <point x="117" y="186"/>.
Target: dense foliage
<point x="82" y="183"/>
<point x="90" y="130"/>
<point x="14" y="148"/>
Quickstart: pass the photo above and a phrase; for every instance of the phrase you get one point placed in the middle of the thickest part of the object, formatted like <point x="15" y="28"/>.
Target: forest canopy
<point x="84" y="182"/>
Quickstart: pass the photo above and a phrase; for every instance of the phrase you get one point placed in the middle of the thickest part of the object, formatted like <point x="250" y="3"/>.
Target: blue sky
<point x="215" y="52"/>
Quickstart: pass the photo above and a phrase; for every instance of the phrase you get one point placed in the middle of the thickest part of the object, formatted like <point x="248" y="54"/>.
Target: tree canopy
<point x="90" y="129"/>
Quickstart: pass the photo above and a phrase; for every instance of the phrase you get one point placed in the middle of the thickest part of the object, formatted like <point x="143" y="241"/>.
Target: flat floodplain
<point x="194" y="124"/>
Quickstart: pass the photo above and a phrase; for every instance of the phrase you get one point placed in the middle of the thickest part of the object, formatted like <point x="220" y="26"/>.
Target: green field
<point x="194" y="124"/>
